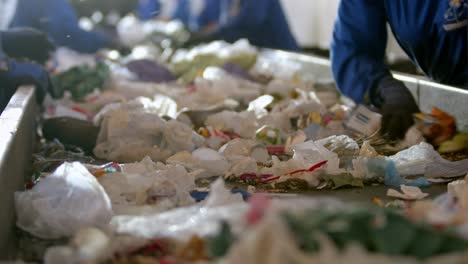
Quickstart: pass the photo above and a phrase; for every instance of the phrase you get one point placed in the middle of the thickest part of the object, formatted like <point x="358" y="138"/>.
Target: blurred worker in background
<point x="185" y="11"/>
<point x="57" y="19"/>
<point x="262" y="22"/>
<point x="433" y="33"/>
<point x="23" y="44"/>
<point x="148" y="9"/>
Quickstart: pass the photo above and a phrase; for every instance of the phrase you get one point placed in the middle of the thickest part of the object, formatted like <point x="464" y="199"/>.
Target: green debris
<point x="342" y="180"/>
<point x="80" y="81"/>
<point x="219" y="245"/>
<point x="378" y="230"/>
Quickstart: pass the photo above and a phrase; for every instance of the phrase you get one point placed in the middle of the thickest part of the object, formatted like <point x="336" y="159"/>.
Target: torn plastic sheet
<point x="407" y="193"/>
<point x="422" y="159"/>
<point x="180" y="223"/>
<point x="62" y="203"/>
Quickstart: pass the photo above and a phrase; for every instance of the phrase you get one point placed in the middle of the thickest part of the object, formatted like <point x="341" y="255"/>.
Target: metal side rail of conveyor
<point x="450" y="99"/>
<point x="17" y="138"/>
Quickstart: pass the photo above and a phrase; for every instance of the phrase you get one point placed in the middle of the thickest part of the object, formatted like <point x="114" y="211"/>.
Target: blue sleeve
<point x="358" y="47"/>
<point x="182" y="12"/>
<point x="251" y="16"/>
<point x="60" y="22"/>
<point x="148" y="9"/>
<point x="210" y="13"/>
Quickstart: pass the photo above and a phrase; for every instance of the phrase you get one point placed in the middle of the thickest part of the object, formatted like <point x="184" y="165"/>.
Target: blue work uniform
<point x="59" y="21"/>
<point x="262" y="22"/>
<point x="148" y="9"/>
<point x="433" y="33"/>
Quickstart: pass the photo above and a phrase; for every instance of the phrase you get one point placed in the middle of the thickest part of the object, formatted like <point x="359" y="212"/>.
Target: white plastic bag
<point x="146" y="187"/>
<point x="243" y="123"/>
<point x="62" y="203"/>
<point x="422" y="159"/>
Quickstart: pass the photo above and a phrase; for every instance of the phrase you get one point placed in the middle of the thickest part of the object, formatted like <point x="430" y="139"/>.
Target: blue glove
<point x="20" y="73"/>
<point x="27" y="43"/>
<point x="397" y="106"/>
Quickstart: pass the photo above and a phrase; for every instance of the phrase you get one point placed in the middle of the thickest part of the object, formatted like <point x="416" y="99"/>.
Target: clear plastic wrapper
<point x="134" y="130"/>
<point x="62" y="203"/>
<point x="422" y="159"/>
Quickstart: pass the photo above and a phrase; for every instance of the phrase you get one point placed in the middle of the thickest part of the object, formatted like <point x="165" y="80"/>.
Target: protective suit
<point x="148" y="9"/>
<point x="263" y="22"/>
<point x="433" y="33"/>
<point x="178" y="10"/>
<point x="58" y="20"/>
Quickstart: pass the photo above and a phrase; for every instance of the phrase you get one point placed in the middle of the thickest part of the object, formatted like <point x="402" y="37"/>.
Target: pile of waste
<point x="151" y="161"/>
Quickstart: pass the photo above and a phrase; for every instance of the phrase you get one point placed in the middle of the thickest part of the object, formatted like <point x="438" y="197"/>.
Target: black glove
<point x="29" y="74"/>
<point x="27" y="43"/>
<point x="397" y="106"/>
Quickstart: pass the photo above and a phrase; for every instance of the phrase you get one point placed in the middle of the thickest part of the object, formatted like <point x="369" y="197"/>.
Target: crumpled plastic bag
<point x="147" y="187"/>
<point x="219" y="195"/>
<point x="211" y="161"/>
<point x="422" y="159"/>
<point x="244" y="123"/>
<point x="88" y="245"/>
<point x="345" y="147"/>
<point x="240" y="166"/>
<point x="201" y="163"/>
<point x="312" y="153"/>
<point x="62" y="203"/>
<point x="134" y="130"/>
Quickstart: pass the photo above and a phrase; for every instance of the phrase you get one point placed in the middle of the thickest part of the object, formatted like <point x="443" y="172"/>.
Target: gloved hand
<point x="29" y="74"/>
<point x="27" y="43"/>
<point x="397" y="106"/>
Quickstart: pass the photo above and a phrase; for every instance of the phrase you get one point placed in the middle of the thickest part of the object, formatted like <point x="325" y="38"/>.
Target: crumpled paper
<point x="422" y="159"/>
<point x="62" y="203"/>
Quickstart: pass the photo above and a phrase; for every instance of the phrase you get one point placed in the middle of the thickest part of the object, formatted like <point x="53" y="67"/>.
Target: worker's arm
<point x="182" y="12"/>
<point x="251" y="17"/>
<point x="357" y="54"/>
<point x="60" y="22"/>
<point x="16" y="43"/>
<point x="209" y="14"/>
<point x="358" y="47"/>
